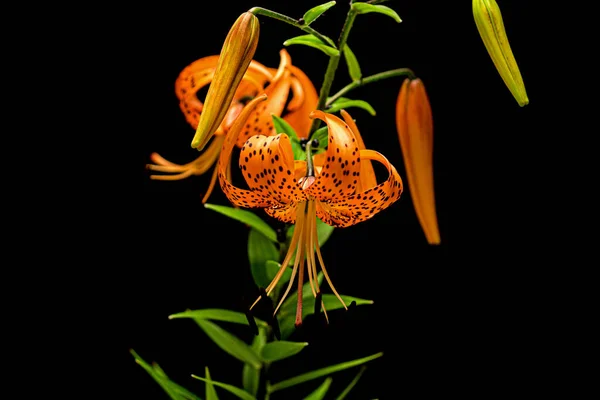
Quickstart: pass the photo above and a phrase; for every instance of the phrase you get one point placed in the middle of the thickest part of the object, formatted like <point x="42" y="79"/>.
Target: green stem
<point x="370" y="79"/>
<point x="288" y="20"/>
<point x="334" y="61"/>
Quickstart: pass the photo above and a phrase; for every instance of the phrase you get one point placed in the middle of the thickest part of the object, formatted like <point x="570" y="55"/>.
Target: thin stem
<point x="334" y="61"/>
<point x="370" y="79"/>
<point x="288" y="20"/>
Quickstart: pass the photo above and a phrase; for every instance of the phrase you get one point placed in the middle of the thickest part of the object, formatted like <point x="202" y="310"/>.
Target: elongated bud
<point x="414" y="123"/>
<point x="236" y="54"/>
<point x="491" y="29"/>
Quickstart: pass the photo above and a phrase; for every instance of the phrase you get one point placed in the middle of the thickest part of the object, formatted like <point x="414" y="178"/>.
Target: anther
<point x="275" y="325"/>
<point x="252" y="322"/>
<point x="318" y="302"/>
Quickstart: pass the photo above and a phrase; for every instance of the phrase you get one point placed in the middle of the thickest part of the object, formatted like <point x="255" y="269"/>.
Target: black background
<point x="455" y="318"/>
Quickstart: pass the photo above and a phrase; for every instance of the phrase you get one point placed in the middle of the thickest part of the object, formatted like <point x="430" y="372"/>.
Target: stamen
<point x="252" y="322"/>
<point x="318" y="300"/>
<point x="275" y="325"/>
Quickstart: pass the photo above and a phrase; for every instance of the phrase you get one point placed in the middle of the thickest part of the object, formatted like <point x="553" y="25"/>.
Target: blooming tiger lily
<point x="338" y="186"/>
<point x="278" y="82"/>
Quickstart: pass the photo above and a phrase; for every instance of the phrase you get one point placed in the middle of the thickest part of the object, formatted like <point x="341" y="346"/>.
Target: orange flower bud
<point x="414" y="123"/>
<point x="236" y="54"/>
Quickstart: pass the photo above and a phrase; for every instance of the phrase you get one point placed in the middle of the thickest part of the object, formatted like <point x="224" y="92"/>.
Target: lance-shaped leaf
<point x="316" y="12"/>
<point x="343" y="103"/>
<point x="320" y="392"/>
<point x="491" y="29"/>
<point x="251" y="375"/>
<point x="312" y="41"/>
<point x="247" y="217"/>
<point x="364" y="8"/>
<point x="241" y="393"/>
<point x="260" y="250"/>
<point x="230" y="343"/>
<point x="319" y="373"/>
<point x="217" y="314"/>
<point x="281" y="126"/>
<point x="351" y="385"/>
<point x="272" y="268"/>
<point x="275" y="351"/>
<point x="210" y="393"/>
<point x="175" y="391"/>
<point x="352" y="63"/>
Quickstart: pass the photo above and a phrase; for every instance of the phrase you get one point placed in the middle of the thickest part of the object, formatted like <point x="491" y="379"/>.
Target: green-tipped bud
<point x="236" y="54"/>
<point x="491" y="29"/>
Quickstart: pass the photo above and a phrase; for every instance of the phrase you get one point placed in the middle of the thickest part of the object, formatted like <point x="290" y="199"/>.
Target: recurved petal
<point x="237" y="196"/>
<point x="267" y="163"/>
<point x="260" y="121"/>
<point x="304" y="100"/>
<point x="414" y="123"/>
<point x="490" y="25"/>
<point x="341" y="169"/>
<point x="367" y="173"/>
<point x="361" y="206"/>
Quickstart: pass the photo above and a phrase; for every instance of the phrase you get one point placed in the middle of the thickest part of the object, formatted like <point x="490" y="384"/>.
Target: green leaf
<point x="217" y="314"/>
<point x="175" y="391"/>
<point x="324" y="231"/>
<point x="260" y="250"/>
<point x="343" y="102"/>
<point x="273" y="268"/>
<point x="312" y="41"/>
<point x="230" y="343"/>
<point x="352" y="63"/>
<point x="364" y="8"/>
<point x="316" y="12"/>
<point x="319" y="373"/>
<point x="241" y="393"/>
<point x="351" y="384"/>
<point x="211" y="393"/>
<point x="321" y="391"/>
<point x="247" y="217"/>
<point x="251" y="375"/>
<point x="275" y="351"/>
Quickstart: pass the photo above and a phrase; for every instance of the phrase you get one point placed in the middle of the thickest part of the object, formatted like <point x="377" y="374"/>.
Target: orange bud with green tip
<point x="414" y="123"/>
<point x="236" y="54"/>
<point x="491" y="29"/>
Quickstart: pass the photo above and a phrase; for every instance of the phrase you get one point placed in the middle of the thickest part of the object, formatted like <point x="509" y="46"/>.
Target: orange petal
<point x="341" y="171"/>
<point x="267" y="163"/>
<point x="367" y="173"/>
<point x="361" y="206"/>
<point x="304" y="100"/>
<point x="260" y="122"/>
<point x="414" y="123"/>
<point x="237" y="196"/>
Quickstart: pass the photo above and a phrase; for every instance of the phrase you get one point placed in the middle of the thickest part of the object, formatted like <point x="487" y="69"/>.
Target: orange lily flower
<point x="278" y="82"/>
<point x="329" y="185"/>
<point x="414" y="123"/>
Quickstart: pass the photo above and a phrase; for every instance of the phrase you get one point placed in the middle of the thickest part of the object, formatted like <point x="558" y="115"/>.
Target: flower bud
<point x="414" y="123"/>
<point x="491" y="29"/>
<point x="236" y="54"/>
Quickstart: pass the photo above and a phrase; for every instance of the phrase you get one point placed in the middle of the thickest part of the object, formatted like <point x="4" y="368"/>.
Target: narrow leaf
<point x="312" y="41"/>
<point x="247" y="217"/>
<point x="352" y="63"/>
<point x="364" y="8"/>
<point x="281" y="126"/>
<point x="351" y="384"/>
<point x="275" y="351"/>
<point x="320" y="372"/>
<point x="230" y="343"/>
<point x="324" y="231"/>
<point x="251" y="375"/>
<point x="316" y="12"/>
<point x="343" y="102"/>
<point x="260" y="250"/>
<point x="217" y="314"/>
<point x="241" y="393"/>
<point x="211" y="393"/>
<point x="321" y="391"/>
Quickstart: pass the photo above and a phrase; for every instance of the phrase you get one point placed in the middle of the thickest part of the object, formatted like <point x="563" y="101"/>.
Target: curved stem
<point x="370" y="79"/>
<point x="288" y="20"/>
